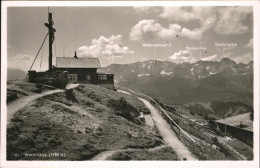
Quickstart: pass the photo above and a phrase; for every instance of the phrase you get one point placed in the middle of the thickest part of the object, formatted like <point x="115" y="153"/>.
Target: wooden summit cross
<point x="51" y="38"/>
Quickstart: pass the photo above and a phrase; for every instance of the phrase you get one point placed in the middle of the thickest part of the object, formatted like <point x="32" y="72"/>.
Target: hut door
<point x="73" y="78"/>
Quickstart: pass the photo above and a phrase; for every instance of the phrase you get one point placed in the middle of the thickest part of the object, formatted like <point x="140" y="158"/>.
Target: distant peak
<point x="227" y="60"/>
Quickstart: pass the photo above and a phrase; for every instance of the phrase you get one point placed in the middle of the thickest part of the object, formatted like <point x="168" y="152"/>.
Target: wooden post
<point x="50" y="42"/>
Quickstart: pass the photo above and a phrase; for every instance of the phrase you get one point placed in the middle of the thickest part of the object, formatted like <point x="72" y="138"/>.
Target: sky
<point x="130" y="34"/>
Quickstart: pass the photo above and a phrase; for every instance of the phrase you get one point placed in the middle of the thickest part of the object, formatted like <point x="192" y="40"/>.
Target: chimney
<point x="75" y="56"/>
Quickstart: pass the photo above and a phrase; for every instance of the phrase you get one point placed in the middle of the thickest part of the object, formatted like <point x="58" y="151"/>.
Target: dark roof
<point x="71" y="62"/>
<point x="236" y="120"/>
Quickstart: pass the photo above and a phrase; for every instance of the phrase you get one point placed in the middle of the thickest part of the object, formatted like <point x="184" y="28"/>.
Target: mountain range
<point x="173" y="83"/>
<point x="13" y="74"/>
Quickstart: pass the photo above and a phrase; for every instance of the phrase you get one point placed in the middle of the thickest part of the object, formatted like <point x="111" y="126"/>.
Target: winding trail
<point x="125" y="92"/>
<point x="169" y="136"/>
<point x="18" y="104"/>
<point x="106" y="154"/>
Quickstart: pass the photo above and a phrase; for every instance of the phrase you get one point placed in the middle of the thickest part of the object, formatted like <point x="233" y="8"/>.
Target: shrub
<point x="90" y="151"/>
<point x="161" y="104"/>
<point x="11" y="96"/>
<point x="199" y="110"/>
<point x="221" y="108"/>
<point x="87" y="130"/>
<point x="121" y="156"/>
<point x="124" y="109"/>
<point x="215" y="141"/>
<point x="70" y="95"/>
<point x="177" y="121"/>
<point x="94" y="97"/>
<point x="37" y="91"/>
<point x="89" y="104"/>
<point x="99" y="110"/>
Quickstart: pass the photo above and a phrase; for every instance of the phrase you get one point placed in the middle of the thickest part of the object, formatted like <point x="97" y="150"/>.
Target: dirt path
<point x="149" y="120"/>
<point x="122" y="91"/>
<point x="169" y="136"/>
<point x="106" y="154"/>
<point x="18" y="104"/>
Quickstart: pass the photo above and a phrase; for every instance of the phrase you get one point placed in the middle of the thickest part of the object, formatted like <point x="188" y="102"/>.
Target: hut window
<point x="102" y="77"/>
<point x="88" y="77"/>
<point x="72" y="77"/>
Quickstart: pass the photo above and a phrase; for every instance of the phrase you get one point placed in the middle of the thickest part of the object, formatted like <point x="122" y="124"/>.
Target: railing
<point x="163" y="112"/>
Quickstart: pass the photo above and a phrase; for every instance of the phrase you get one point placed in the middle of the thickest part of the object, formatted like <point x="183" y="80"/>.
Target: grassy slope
<point x="20" y="88"/>
<point x="79" y="124"/>
<point x="216" y="109"/>
<point x="205" y="148"/>
<point x="165" y="153"/>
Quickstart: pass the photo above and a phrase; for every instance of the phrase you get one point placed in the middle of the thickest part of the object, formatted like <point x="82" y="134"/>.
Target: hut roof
<point x="235" y="121"/>
<point x="71" y="62"/>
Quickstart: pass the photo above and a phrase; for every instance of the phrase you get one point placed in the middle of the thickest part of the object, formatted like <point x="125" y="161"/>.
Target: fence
<point x="164" y="114"/>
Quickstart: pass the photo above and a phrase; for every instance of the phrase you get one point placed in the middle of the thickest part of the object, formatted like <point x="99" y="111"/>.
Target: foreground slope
<point x="81" y="123"/>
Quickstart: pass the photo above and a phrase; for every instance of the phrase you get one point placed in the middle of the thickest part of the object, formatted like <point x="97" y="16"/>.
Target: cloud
<point x="210" y="58"/>
<point x="22" y="57"/>
<point x="230" y="20"/>
<point x="178" y="14"/>
<point x="206" y="16"/>
<point x="103" y="47"/>
<point x="23" y="61"/>
<point x="146" y="9"/>
<point x="227" y="55"/>
<point x="224" y="20"/>
<point x="142" y="8"/>
<point x="181" y="55"/>
<point x="244" y="58"/>
<point x="143" y="27"/>
<point x="250" y="44"/>
<point x="195" y="34"/>
<point x="150" y="29"/>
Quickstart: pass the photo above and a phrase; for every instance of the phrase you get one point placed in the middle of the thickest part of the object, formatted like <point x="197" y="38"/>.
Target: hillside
<point x="89" y="122"/>
<point x="203" y="81"/>
<point x="216" y="109"/>
<point x="13" y="74"/>
<point x="80" y="123"/>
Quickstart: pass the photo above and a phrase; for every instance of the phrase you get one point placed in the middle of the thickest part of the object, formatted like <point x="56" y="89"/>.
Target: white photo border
<point x="118" y="164"/>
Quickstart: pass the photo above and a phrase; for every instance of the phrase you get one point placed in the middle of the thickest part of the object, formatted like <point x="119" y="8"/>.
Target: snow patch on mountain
<point x="250" y="66"/>
<point x="164" y="73"/>
<point x="143" y="75"/>
<point x="192" y="72"/>
<point x="210" y="72"/>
